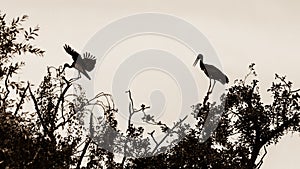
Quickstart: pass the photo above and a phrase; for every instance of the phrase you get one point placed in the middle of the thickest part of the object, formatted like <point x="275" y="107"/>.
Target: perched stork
<point x="82" y="65"/>
<point x="211" y="71"/>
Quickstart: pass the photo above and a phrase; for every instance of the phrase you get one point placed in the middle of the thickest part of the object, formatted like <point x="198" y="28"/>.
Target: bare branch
<point x="22" y="99"/>
<point x="262" y="158"/>
<point x="35" y="156"/>
<point x="83" y="153"/>
<point x="169" y="132"/>
<point x="37" y="109"/>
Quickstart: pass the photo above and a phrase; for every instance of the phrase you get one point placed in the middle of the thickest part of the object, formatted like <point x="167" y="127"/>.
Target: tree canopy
<point x="51" y="134"/>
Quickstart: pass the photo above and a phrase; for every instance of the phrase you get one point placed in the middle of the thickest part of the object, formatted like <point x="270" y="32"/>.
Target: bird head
<point x="67" y="65"/>
<point x="199" y="57"/>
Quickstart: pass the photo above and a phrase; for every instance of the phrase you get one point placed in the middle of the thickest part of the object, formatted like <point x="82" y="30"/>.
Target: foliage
<point x="246" y="128"/>
<point x="30" y="139"/>
<point x="51" y="134"/>
<point x="15" y="41"/>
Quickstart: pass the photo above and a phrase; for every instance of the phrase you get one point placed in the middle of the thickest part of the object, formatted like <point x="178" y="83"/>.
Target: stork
<point x="82" y="65"/>
<point x="211" y="72"/>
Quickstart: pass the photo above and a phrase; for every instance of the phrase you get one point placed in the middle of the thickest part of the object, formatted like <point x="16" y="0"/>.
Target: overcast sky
<point x="266" y="32"/>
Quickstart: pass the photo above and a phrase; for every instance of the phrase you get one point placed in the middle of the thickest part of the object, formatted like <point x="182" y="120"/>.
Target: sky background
<point x="266" y="32"/>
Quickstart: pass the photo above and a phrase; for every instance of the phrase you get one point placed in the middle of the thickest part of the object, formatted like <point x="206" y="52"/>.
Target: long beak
<point x="196" y="61"/>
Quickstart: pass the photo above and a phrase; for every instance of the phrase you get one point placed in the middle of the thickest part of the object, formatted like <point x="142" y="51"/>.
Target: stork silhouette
<point x="82" y="65"/>
<point x="211" y="72"/>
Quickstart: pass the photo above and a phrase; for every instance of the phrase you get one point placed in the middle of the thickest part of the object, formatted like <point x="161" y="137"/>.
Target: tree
<point x="31" y="139"/>
<point x="246" y="128"/>
<point x="51" y="134"/>
<point x="15" y="41"/>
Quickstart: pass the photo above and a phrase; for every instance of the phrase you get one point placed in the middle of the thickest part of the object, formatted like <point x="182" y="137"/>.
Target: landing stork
<point x="82" y="65"/>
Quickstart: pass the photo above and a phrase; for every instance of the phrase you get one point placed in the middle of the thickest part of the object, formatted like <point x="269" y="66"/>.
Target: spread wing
<point x="71" y="52"/>
<point x="89" y="61"/>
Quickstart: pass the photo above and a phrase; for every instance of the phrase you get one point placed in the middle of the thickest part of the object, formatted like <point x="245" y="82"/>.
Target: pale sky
<point x="266" y="32"/>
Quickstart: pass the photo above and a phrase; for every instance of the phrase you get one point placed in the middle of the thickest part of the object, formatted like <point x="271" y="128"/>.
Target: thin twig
<point x="6" y="85"/>
<point x="22" y="99"/>
<point x="165" y="137"/>
<point x="294" y="91"/>
<point x="37" y="109"/>
<point x="261" y="160"/>
<point x="131" y="111"/>
<point x="151" y="134"/>
<point x="35" y="156"/>
<point x="61" y="97"/>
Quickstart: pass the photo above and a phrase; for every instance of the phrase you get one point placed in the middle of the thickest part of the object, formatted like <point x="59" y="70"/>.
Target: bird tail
<point x="224" y="80"/>
<point x="86" y="75"/>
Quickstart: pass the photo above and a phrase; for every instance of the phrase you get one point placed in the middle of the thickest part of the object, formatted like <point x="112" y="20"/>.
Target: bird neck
<point x="69" y="66"/>
<point x="202" y="66"/>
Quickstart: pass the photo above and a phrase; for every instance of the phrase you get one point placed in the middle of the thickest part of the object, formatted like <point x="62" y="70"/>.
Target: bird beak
<point x="196" y="61"/>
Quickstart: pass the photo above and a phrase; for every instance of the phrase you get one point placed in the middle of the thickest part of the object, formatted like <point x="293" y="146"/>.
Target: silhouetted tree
<point x="51" y="134"/>
<point x="246" y="128"/>
<point x="15" y="131"/>
<point x="46" y="137"/>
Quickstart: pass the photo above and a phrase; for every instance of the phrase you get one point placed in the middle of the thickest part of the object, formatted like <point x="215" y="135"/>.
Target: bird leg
<point x="62" y="70"/>
<point x="208" y="92"/>
<point x="209" y="86"/>
<point x="213" y="85"/>
<point x="78" y="77"/>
